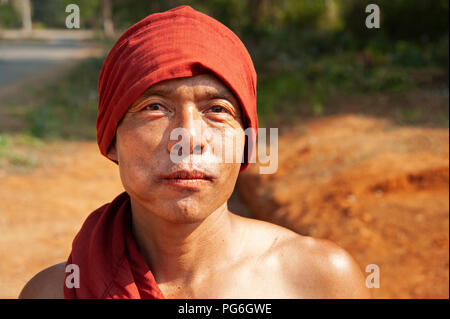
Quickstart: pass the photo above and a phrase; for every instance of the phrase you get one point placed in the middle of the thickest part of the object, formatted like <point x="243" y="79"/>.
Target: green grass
<point x="67" y="109"/>
<point x="18" y="151"/>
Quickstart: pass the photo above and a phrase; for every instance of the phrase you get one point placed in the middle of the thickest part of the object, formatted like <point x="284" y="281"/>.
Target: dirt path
<point x="35" y="63"/>
<point x="41" y="211"/>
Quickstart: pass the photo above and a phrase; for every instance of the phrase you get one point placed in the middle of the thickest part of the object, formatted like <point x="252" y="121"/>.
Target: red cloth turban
<point x="181" y="42"/>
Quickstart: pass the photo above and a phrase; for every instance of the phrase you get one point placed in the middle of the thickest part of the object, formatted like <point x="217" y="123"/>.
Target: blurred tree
<point x="48" y="13"/>
<point x="279" y="30"/>
<point x="400" y="19"/>
<point x="108" y="26"/>
<point x="331" y="16"/>
<point x="89" y="11"/>
<point x="52" y="14"/>
<point x="125" y="13"/>
<point x="303" y="14"/>
<point x="24" y="9"/>
<point x="9" y="18"/>
<point x="415" y="19"/>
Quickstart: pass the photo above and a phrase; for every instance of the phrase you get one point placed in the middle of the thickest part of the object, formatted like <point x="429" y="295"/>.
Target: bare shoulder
<point x="328" y="270"/>
<point x="310" y="267"/>
<point x="47" y="284"/>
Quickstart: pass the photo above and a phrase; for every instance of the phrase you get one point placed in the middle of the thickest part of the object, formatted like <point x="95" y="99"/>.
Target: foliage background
<point x="304" y="52"/>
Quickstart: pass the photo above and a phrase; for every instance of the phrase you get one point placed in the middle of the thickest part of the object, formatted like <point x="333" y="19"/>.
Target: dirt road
<point x="37" y="62"/>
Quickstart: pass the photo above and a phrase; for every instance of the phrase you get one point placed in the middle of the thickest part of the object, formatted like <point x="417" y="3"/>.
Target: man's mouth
<point x="190" y="179"/>
<point x="188" y="174"/>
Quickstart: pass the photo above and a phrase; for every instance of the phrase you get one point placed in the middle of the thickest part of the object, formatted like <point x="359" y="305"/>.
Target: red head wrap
<point x="177" y="43"/>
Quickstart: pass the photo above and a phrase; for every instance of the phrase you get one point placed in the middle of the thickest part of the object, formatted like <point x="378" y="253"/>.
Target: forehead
<point x="204" y="85"/>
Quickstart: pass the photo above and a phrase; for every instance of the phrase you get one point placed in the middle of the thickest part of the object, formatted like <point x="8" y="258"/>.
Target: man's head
<point x="178" y="69"/>
<point x="211" y="117"/>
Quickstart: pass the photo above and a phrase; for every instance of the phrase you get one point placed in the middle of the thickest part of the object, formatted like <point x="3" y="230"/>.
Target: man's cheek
<point x="227" y="148"/>
<point x="136" y="172"/>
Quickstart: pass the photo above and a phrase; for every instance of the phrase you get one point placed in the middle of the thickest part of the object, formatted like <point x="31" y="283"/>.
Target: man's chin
<point x="179" y="209"/>
<point x="184" y="216"/>
<point x="179" y="206"/>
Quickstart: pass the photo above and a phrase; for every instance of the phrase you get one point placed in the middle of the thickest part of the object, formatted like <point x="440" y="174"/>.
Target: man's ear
<point x="112" y="152"/>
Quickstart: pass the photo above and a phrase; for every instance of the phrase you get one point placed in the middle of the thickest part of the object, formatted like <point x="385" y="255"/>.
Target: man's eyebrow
<point x="164" y="91"/>
<point x="209" y="94"/>
<point x="220" y="94"/>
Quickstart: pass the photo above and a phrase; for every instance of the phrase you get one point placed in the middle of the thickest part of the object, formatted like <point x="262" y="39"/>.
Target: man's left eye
<point x="218" y="109"/>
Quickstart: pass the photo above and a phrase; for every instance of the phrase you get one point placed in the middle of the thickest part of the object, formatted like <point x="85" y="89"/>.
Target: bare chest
<point x="241" y="282"/>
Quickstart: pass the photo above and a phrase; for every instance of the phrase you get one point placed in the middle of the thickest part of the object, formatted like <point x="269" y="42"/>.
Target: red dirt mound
<point x="378" y="190"/>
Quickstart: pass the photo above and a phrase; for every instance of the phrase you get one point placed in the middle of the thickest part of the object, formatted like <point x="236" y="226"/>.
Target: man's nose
<point x="190" y="122"/>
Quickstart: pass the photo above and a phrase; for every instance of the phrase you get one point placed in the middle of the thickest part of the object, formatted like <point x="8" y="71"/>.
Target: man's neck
<point x="185" y="252"/>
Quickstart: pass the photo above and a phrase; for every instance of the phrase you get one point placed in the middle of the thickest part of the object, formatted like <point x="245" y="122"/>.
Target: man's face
<point x="208" y="114"/>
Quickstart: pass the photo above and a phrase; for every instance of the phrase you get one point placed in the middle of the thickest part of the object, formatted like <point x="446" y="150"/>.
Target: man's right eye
<point x="152" y="107"/>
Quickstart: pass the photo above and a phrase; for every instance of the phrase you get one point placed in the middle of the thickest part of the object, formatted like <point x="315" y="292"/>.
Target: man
<point x="171" y="235"/>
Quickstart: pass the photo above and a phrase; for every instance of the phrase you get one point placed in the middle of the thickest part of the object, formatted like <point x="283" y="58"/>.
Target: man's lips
<point x="190" y="179"/>
<point x="188" y="174"/>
